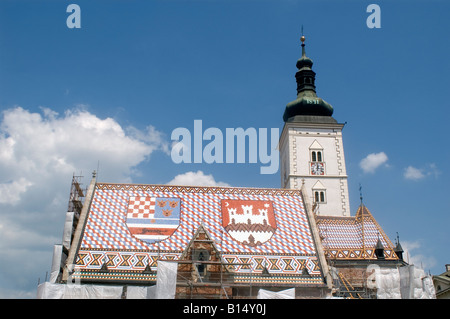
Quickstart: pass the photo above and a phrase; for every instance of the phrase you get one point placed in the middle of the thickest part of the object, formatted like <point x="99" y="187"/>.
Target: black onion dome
<point x="304" y="61"/>
<point x="307" y="106"/>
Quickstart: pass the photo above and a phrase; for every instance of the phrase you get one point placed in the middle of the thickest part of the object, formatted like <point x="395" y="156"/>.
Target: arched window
<point x="201" y="267"/>
<point x="316" y="152"/>
<point x="319" y="196"/>
<point x="200" y="255"/>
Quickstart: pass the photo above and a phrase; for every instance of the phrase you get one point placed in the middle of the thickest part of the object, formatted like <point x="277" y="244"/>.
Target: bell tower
<point x="311" y="146"/>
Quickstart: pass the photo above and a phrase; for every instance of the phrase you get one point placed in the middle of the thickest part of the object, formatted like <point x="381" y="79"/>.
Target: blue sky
<point x="110" y="94"/>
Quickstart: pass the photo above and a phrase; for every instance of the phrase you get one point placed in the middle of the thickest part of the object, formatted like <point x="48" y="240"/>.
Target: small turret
<point x="399" y="249"/>
<point x="379" y="250"/>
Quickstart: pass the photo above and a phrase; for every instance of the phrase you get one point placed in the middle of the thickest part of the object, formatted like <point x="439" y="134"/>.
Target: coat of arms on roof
<point x="153" y="219"/>
<point x="251" y="222"/>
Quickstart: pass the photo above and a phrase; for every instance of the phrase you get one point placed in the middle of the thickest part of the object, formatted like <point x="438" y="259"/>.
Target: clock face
<point x="317" y="168"/>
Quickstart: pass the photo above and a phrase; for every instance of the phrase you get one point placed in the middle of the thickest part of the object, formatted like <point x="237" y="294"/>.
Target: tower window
<point x="319" y="196"/>
<point x="316" y="156"/>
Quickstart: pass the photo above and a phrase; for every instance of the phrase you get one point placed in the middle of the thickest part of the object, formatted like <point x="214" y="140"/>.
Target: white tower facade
<point x="311" y="147"/>
<point x="313" y="154"/>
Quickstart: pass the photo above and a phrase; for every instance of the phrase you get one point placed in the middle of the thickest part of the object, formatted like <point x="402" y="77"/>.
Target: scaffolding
<point x="61" y="252"/>
<point x="76" y="197"/>
<point x="202" y="271"/>
<point x="351" y="285"/>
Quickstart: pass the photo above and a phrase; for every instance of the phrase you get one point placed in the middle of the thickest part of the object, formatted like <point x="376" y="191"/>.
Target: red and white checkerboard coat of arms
<point x="251" y="222"/>
<point x="153" y="219"/>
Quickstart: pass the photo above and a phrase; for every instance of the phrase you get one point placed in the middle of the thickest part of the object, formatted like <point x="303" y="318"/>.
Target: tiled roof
<point x="130" y="226"/>
<point x="353" y="237"/>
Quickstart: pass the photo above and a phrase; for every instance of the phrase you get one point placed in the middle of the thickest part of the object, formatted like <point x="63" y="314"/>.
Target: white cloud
<point x="10" y="192"/>
<point x="372" y="161"/>
<point x="35" y="146"/>
<point x="152" y="137"/>
<point x="196" y="179"/>
<point x="39" y="153"/>
<point x="413" y="173"/>
<point x="415" y="254"/>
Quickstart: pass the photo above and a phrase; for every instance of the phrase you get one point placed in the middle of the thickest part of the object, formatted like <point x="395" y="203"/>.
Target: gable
<point x="318" y="185"/>
<point x="353" y="237"/>
<point x="316" y="145"/>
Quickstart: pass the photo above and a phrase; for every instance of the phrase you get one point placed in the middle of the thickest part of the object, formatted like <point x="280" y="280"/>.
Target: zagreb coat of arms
<point x="250" y="222"/>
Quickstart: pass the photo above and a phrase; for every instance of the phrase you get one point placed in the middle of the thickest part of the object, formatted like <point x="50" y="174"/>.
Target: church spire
<point x="307" y="103"/>
<point x="305" y="76"/>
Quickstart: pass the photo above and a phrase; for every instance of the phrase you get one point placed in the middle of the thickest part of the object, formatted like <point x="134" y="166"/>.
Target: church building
<point x="227" y="242"/>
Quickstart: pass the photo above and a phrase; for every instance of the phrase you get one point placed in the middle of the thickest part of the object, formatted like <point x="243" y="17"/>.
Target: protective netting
<point x="166" y="280"/>
<point x="415" y="284"/>
<point x="408" y="282"/>
<point x="49" y="290"/>
<point x="387" y="283"/>
<point x="165" y="287"/>
<point x="283" y="294"/>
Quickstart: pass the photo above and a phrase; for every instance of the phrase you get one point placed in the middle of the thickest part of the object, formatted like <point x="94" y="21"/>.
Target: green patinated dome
<point x="307" y="102"/>
<point x="307" y="105"/>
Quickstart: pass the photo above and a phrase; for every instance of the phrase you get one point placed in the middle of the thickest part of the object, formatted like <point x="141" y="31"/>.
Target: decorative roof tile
<point x="131" y="226"/>
<point x="353" y="237"/>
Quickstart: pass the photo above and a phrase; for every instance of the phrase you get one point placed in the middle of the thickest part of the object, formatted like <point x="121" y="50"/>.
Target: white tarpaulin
<point x="49" y="290"/>
<point x="136" y="292"/>
<point x="387" y="283"/>
<point x="415" y="284"/>
<point x="407" y="282"/>
<point x="67" y="233"/>
<point x="166" y="280"/>
<point x="283" y="294"/>
<point x="151" y="292"/>
<point x="56" y="263"/>
<point x="428" y="288"/>
<point x="141" y="292"/>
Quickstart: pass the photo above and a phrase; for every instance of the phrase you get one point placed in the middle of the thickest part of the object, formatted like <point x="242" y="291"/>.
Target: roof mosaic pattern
<point x="261" y="228"/>
<point x="353" y="237"/>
